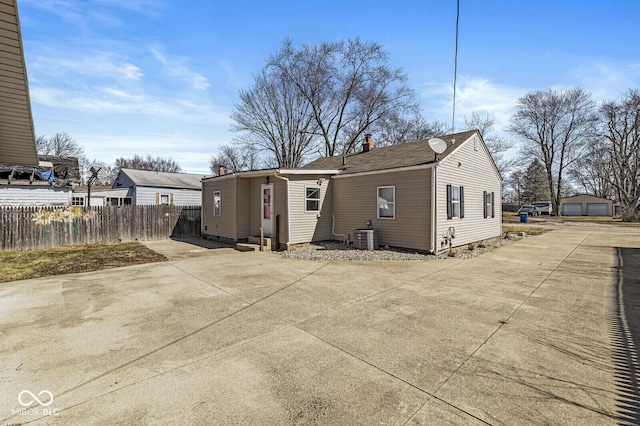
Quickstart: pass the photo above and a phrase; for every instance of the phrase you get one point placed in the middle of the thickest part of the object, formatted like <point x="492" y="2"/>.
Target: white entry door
<point x="267" y="210"/>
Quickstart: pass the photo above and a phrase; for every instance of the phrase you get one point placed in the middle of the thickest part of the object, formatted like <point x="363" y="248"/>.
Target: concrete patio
<point x="526" y="334"/>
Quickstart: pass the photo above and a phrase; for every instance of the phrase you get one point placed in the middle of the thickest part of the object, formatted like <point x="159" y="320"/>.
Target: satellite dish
<point x="437" y="145"/>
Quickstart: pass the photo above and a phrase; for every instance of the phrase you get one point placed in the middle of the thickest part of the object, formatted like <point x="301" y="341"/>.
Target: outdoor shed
<point x="410" y="197"/>
<point x="586" y="205"/>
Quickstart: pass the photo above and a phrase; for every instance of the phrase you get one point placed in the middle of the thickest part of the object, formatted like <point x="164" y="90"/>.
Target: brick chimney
<point x="221" y="170"/>
<point x="367" y="145"/>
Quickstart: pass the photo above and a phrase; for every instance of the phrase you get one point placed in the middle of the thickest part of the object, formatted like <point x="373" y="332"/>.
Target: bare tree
<point x="554" y="126"/>
<point x="621" y="130"/>
<point x="156" y="164"/>
<point x="235" y="158"/>
<point x="592" y="172"/>
<point x="515" y="181"/>
<point x="277" y="117"/>
<point x="395" y="129"/>
<point x="496" y="145"/>
<point x="348" y="86"/>
<point x="60" y="144"/>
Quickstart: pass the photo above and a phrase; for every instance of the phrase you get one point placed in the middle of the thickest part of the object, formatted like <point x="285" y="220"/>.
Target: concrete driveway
<point x="531" y="333"/>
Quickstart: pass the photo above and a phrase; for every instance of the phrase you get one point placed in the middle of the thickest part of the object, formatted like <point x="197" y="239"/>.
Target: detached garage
<point x="586" y="205"/>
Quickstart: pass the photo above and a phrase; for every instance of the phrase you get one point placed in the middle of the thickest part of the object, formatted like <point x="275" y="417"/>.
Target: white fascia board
<point x="393" y="170"/>
<point x="307" y="172"/>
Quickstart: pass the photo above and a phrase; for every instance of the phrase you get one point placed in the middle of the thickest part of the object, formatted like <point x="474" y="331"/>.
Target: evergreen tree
<point x="535" y="186"/>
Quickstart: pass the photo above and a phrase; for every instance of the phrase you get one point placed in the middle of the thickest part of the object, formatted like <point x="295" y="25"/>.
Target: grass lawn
<point x="22" y="265"/>
<point x="529" y="230"/>
<point x="509" y="217"/>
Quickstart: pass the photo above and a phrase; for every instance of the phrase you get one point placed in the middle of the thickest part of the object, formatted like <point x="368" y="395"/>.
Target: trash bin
<point x="524" y="217"/>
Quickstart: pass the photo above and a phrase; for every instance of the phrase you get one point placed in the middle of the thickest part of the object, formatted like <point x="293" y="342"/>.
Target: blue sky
<point x="161" y="77"/>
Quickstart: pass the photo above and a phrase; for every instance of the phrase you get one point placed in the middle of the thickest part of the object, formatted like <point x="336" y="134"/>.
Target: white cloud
<point x="606" y="79"/>
<point x="175" y="67"/>
<point x="94" y="64"/>
<point x="473" y="94"/>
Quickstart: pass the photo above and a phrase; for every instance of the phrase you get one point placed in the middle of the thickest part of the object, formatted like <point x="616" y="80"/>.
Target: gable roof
<point x="163" y="179"/>
<point x="391" y="157"/>
<point x="17" y="135"/>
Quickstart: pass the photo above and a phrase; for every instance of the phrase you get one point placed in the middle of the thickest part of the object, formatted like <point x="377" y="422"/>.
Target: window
<point x="217" y="203"/>
<point x="455" y="202"/>
<point x="117" y="201"/>
<point x="386" y="202"/>
<point x="164" y="199"/>
<point x="77" y="201"/>
<point x="489" y="208"/>
<point x="312" y="200"/>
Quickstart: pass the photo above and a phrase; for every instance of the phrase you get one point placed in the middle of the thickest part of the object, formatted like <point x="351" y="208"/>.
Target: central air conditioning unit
<point x="365" y="239"/>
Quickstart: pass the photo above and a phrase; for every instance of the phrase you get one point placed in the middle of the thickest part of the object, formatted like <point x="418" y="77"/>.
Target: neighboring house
<point x="50" y="184"/>
<point x="157" y="188"/>
<point x="17" y="136"/>
<point x="586" y="205"/>
<point x="411" y="199"/>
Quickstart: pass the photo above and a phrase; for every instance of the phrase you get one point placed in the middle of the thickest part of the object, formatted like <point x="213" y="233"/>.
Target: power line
<point x="455" y="71"/>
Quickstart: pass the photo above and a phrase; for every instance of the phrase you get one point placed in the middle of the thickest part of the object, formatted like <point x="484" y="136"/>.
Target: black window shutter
<point x="484" y="203"/>
<point x="461" y="202"/>
<point x="493" y="205"/>
<point x="449" y="206"/>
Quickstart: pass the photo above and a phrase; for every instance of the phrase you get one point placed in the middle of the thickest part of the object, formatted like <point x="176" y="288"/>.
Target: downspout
<point x="275" y="174"/>
<point x="433" y="209"/>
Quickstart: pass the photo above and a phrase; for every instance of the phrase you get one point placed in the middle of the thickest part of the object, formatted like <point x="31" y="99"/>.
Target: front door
<point x="267" y="210"/>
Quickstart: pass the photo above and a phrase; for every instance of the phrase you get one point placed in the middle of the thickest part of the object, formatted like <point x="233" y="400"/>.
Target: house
<point x="146" y="187"/>
<point x="49" y="184"/>
<point x="17" y="136"/>
<point x="586" y="205"/>
<point x="410" y="196"/>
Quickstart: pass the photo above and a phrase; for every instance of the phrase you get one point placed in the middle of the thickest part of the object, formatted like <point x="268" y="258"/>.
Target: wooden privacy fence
<point x="23" y="228"/>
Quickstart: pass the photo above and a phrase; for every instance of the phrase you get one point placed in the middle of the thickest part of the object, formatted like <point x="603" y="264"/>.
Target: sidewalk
<point x="520" y="335"/>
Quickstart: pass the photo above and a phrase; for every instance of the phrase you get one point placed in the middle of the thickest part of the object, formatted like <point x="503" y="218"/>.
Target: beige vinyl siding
<point x="243" y="208"/>
<point x="225" y="225"/>
<point x="474" y="170"/>
<point x="307" y="226"/>
<point x="279" y="199"/>
<point x="355" y="202"/>
<point x="585" y="200"/>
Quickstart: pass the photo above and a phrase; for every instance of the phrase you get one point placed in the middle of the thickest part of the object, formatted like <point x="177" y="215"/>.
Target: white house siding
<point x="309" y="226"/>
<point x="475" y="171"/>
<point x="355" y="201"/>
<point x="181" y="197"/>
<point x="40" y="196"/>
<point x="225" y="225"/>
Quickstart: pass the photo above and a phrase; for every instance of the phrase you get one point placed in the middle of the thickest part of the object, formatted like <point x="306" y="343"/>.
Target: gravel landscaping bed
<point x="329" y="250"/>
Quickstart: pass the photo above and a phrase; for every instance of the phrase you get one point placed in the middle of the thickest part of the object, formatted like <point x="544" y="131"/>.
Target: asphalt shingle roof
<point x="164" y="179"/>
<point x="389" y="157"/>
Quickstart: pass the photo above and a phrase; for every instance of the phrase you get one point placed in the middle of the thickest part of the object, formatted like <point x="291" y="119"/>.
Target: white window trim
<point x="75" y="199"/>
<point x="487" y="205"/>
<point x="168" y="199"/>
<point x="306" y="199"/>
<point x="454" y="202"/>
<point x="219" y="203"/>
<point x="393" y="203"/>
